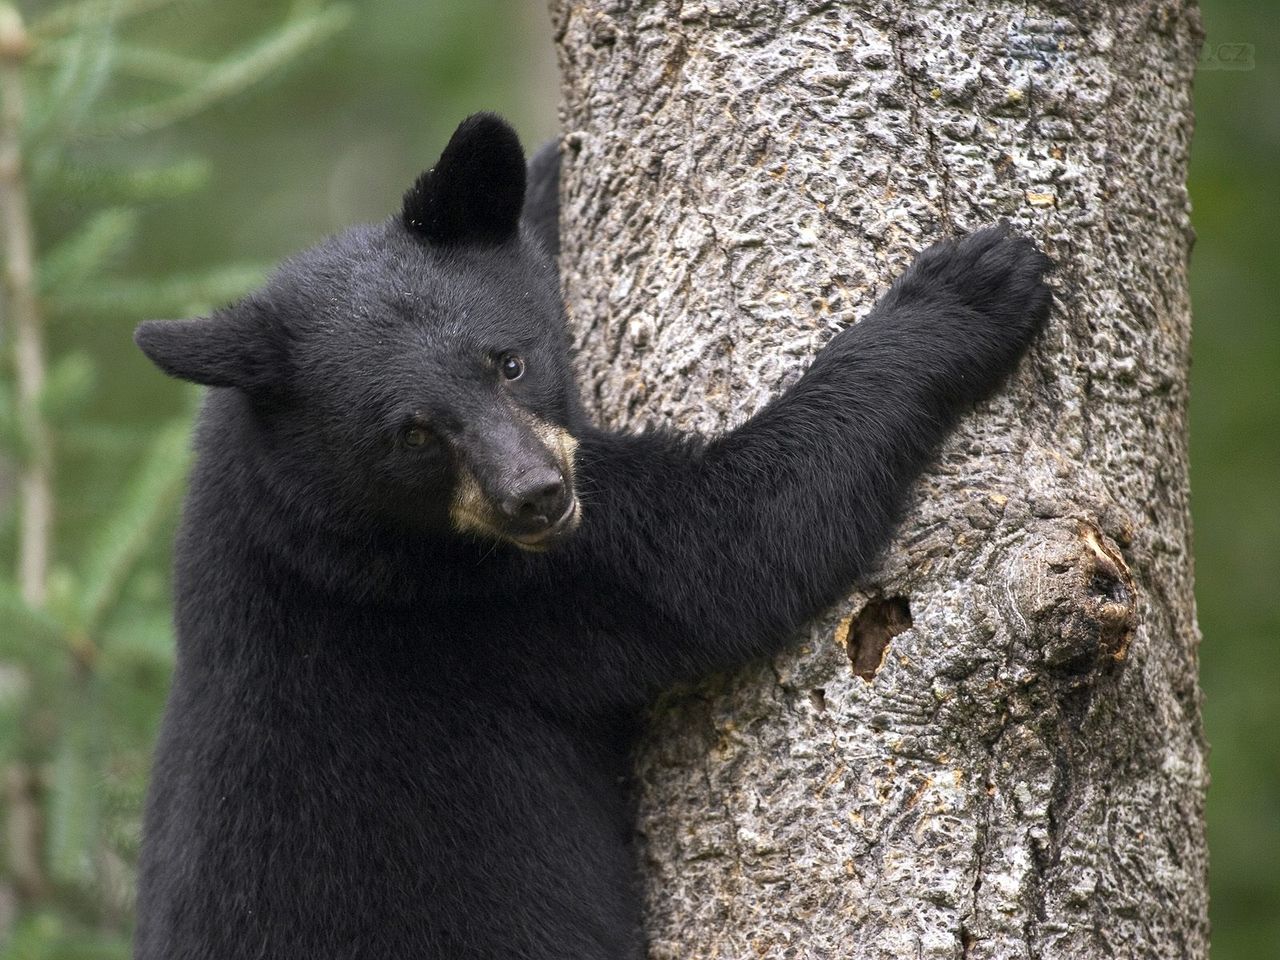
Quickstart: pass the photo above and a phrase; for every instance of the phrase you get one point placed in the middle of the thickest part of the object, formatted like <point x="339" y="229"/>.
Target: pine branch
<point x="75" y="88"/>
<point x="89" y="250"/>
<point x="95" y="631"/>
<point x="67" y="387"/>
<point x="73" y="805"/>
<point x="179" y="295"/>
<point x="142" y="63"/>
<point x="124" y="536"/>
<point x="228" y="78"/>
<point x="95" y="184"/>
<point x="67" y="18"/>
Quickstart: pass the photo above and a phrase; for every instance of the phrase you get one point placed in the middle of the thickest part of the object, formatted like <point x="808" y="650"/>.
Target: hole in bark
<point x="818" y="697"/>
<point x="869" y="635"/>
<point x="1108" y="587"/>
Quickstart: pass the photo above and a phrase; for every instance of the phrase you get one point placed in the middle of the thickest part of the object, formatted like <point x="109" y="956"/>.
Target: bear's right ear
<point x="476" y="189"/>
<point x="235" y="347"/>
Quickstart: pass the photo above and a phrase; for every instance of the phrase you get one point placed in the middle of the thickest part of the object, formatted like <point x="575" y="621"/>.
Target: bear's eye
<point x="416" y="437"/>
<point x="511" y="366"/>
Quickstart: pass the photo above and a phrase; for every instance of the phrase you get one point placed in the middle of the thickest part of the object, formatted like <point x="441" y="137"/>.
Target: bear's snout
<point x="539" y="499"/>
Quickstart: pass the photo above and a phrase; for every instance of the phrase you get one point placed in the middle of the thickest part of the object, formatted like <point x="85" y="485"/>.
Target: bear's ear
<point x="476" y="189"/>
<point x="236" y="347"/>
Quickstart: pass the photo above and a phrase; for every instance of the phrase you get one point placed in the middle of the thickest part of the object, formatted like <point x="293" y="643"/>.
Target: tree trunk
<point x="994" y="748"/>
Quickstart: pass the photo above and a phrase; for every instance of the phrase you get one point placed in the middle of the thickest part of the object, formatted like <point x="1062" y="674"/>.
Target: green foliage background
<point x="177" y="148"/>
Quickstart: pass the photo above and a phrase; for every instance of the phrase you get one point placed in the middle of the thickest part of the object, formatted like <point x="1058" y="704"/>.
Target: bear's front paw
<point x="997" y="275"/>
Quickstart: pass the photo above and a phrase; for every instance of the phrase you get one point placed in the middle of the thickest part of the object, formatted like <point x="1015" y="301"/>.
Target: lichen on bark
<point x="1022" y="773"/>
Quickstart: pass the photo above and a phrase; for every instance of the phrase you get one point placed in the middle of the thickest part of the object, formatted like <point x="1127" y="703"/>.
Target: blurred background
<point x="175" y="149"/>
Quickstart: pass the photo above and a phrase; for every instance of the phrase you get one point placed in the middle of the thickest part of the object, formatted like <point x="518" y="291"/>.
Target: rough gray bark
<point x="994" y="748"/>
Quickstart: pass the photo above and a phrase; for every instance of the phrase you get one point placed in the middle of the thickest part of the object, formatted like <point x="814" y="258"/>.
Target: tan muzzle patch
<point x="471" y="510"/>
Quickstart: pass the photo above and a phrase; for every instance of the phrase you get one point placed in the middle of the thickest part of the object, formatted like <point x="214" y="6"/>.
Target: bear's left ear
<point x="476" y="189"/>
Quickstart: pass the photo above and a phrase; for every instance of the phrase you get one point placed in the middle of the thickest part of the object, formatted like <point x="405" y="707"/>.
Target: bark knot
<point x="1072" y="587"/>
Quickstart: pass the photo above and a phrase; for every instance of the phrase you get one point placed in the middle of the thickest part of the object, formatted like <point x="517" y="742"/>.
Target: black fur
<point x="387" y="740"/>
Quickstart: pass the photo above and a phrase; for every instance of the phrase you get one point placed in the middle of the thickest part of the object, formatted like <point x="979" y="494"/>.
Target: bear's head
<point x="413" y="372"/>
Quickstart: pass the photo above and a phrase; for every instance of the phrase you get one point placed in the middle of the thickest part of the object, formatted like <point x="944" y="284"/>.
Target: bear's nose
<point x="538" y="499"/>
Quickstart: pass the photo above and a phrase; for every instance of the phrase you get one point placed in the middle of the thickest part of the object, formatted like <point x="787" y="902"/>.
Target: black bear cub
<point x="420" y="599"/>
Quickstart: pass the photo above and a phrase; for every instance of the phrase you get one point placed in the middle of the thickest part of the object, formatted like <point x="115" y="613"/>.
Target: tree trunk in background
<point x="994" y="748"/>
